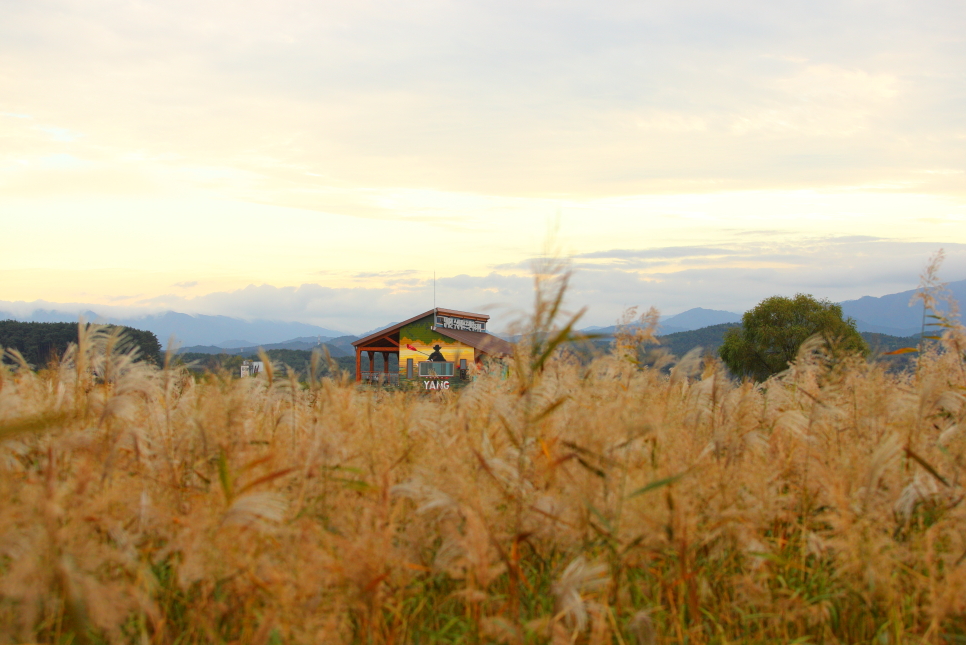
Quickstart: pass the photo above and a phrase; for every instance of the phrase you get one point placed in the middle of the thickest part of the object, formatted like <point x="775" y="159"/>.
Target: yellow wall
<point x="423" y="338"/>
<point x="452" y="352"/>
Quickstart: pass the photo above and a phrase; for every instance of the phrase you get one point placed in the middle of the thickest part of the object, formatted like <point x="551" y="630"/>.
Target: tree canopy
<point x="39" y="342"/>
<point x="771" y="334"/>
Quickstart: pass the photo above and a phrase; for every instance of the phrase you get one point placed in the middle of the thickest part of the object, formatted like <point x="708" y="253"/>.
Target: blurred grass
<point x="572" y="501"/>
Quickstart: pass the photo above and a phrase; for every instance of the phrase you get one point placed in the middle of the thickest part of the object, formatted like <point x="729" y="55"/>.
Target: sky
<point x="318" y="161"/>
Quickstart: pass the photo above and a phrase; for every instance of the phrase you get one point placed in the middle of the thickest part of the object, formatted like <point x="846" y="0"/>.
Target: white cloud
<point x="231" y="143"/>
<point x="494" y="97"/>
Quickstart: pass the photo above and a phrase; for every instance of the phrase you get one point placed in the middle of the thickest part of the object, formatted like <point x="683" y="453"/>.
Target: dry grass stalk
<point x="142" y="505"/>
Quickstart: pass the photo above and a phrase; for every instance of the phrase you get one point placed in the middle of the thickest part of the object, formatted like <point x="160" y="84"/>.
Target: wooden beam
<point x="358" y="364"/>
<point x="394" y="350"/>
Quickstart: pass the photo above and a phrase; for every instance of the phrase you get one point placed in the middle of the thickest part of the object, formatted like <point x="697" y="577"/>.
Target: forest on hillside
<point x="298" y="360"/>
<point x="42" y="342"/>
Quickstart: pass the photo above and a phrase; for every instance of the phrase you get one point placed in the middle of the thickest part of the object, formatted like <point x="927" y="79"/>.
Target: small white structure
<point x="251" y="368"/>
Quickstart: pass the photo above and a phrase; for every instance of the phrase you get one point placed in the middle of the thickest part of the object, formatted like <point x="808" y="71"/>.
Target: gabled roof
<point x="391" y="329"/>
<point x="482" y="341"/>
<point x="487" y="343"/>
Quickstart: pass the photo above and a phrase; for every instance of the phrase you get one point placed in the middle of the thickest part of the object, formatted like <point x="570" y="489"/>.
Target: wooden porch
<point x="385" y="344"/>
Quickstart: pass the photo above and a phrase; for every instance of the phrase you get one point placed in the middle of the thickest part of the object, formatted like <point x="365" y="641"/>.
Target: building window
<point x="409" y="368"/>
<point x="433" y="368"/>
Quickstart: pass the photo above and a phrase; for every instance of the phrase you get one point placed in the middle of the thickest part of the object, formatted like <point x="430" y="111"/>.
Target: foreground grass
<point x="596" y="503"/>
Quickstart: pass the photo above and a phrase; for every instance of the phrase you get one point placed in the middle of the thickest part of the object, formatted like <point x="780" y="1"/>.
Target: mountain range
<point x="890" y="314"/>
<point x="339" y="346"/>
<point x="196" y="329"/>
<point x="689" y="320"/>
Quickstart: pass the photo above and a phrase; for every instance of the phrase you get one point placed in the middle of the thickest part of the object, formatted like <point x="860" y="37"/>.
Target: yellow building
<point x="435" y="348"/>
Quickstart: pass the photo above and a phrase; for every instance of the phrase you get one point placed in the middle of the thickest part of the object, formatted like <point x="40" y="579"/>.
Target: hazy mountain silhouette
<point x="696" y="318"/>
<point x="340" y="346"/>
<point x="891" y="314"/>
<point x="197" y="329"/>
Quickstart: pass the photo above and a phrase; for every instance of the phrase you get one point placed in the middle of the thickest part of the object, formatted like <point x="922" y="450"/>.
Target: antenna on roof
<point x="433" y="325"/>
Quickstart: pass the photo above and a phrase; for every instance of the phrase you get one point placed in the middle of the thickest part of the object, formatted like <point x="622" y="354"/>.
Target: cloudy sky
<point x="318" y="161"/>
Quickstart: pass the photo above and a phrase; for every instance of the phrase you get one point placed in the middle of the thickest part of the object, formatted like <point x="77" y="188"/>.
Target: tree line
<point x="42" y="342"/>
<point x="765" y="342"/>
<point x="298" y="360"/>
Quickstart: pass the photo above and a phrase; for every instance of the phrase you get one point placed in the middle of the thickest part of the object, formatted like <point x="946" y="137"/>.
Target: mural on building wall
<point x="418" y="341"/>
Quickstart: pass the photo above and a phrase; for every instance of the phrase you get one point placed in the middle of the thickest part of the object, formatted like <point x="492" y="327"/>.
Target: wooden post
<point x="385" y="363"/>
<point x="372" y="363"/>
<point x="358" y="364"/>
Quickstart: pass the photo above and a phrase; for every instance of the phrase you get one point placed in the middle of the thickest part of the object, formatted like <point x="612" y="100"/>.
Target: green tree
<point x="40" y="342"/>
<point x="771" y="334"/>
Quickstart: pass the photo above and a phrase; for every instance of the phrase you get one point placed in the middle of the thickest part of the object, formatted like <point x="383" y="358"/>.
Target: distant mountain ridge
<point x="696" y="318"/>
<point x="891" y="314"/>
<point x="229" y="344"/>
<point x="340" y="346"/>
<point x="374" y="330"/>
<point x="197" y="329"/>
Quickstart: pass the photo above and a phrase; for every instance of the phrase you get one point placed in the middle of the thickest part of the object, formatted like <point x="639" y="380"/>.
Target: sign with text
<point x="463" y="324"/>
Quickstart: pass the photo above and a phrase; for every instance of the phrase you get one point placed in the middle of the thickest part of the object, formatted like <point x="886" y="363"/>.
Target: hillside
<point x="188" y="329"/>
<point x="711" y="338"/>
<point x="341" y="346"/>
<point x="892" y="314"/>
<point x="690" y="320"/>
<point x="39" y="342"/>
<point x="298" y="360"/>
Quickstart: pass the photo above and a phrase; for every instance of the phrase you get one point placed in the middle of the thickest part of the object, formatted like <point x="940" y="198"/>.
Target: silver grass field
<point x="572" y="501"/>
